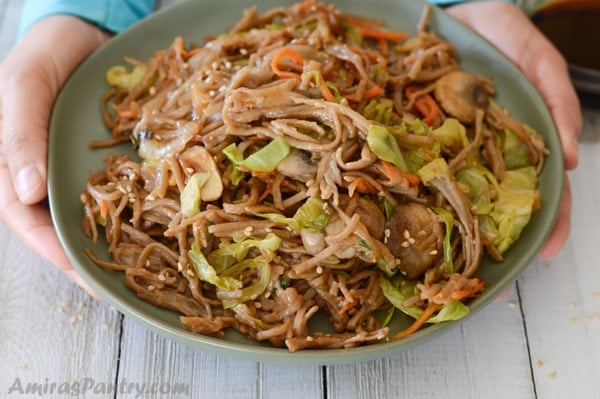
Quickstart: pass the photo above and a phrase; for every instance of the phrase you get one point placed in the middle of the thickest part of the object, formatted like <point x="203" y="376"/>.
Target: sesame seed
<point x="243" y="51"/>
<point x="319" y="269"/>
<point x="411" y="240"/>
<point x="189" y="170"/>
<point x="387" y="233"/>
<point x="152" y="90"/>
<point x="406" y="234"/>
<point x="552" y="375"/>
<point x="227" y="64"/>
<point x="310" y="339"/>
<point x="150" y="197"/>
<point x="179" y="267"/>
<point x="151" y="288"/>
<point x="162" y="277"/>
<point x="147" y="263"/>
<point x="433" y="252"/>
<point x="257" y="305"/>
<point x="405" y="244"/>
<point x="24" y="366"/>
<point x="212" y="93"/>
<point x="540" y="363"/>
<point x="398" y="261"/>
<point x="190" y="272"/>
<point x="248" y="230"/>
<point x="511" y="304"/>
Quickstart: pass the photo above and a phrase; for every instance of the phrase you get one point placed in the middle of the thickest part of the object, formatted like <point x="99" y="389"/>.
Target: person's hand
<point x="30" y="79"/>
<point x="508" y="28"/>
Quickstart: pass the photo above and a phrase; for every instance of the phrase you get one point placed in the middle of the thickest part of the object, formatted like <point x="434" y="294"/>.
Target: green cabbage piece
<point x="190" y="195"/>
<point x="448" y="219"/>
<point x="399" y="290"/>
<point x="230" y="253"/>
<point x="252" y="291"/>
<point x="476" y="181"/>
<point x="206" y="272"/>
<point x="312" y="216"/>
<point x="264" y="160"/>
<point x="384" y="145"/>
<point x="514" y="151"/>
<point x="517" y="199"/>
<point x="121" y="77"/>
<point x="452" y="135"/>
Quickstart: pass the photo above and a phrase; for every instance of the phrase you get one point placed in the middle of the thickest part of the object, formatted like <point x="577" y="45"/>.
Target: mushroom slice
<point x="298" y="166"/>
<point x="415" y="238"/>
<point x="197" y="159"/>
<point x="461" y="94"/>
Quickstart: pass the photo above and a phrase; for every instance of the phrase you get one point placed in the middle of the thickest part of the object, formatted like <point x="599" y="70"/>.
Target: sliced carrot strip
<point x="427" y="313"/>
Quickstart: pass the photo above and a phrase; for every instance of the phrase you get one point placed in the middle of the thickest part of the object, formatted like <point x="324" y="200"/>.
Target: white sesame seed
<point x="189" y="170"/>
<point x="152" y="90"/>
<point x="319" y="269"/>
<point x="243" y="51"/>
<point x="24" y="366"/>
<point x="190" y="272"/>
<point x="227" y="64"/>
<point x="257" y="305"/>
<point x="411" y="240"/>
<point x="162" y="277"/>
<point x="179" y="267"/>
<point x="212" y="93"/>
<point x="151" y="288"/>
<point x="405" y="244"/>
<point x="433" y="252"/>
<point x="310" y="338"/>
<point x="387" y="233"/>
<point x="406" y="234"/>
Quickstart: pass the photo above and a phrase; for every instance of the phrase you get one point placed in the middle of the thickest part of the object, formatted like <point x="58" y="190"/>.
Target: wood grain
<point x="540" y="341"/>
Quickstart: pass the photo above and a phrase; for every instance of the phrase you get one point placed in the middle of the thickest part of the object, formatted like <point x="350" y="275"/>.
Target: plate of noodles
<point x="301" y="182"/>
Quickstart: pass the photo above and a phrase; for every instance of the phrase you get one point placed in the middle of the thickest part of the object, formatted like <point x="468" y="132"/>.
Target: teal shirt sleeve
<point x="112" y="15"/>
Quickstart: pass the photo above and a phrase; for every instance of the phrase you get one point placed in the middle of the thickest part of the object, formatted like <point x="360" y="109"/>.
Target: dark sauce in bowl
<point x="574" y="28"/>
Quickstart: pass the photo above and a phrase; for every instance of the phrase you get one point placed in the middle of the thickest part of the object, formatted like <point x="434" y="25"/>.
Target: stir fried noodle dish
<point x="309" y="162"/>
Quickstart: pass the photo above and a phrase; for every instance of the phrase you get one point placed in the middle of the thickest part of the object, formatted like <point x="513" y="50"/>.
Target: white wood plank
<point x="51" y="332"/>
<point x="485" y="357"/>
<point x="561" y="298"/>
<point x="147" y="358"/>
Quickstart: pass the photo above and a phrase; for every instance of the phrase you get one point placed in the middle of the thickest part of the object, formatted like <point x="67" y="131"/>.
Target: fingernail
<point x="27" y="183"/>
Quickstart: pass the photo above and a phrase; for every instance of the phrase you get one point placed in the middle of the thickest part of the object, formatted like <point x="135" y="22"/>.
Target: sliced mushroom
<point x="197" y="159"/>
<point x="461" y="94"/>
<point x="298" y="166"/>
<point x="415" y="238"/>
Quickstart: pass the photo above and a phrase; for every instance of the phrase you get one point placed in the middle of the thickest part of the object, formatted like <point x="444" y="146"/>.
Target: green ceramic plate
<point x="76" y="120"/>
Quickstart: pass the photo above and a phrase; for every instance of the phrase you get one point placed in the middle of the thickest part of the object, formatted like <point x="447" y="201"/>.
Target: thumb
<point x="25" y="123"/>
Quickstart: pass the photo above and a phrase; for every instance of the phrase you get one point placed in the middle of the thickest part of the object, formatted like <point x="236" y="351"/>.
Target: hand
<point x="30" y="79"/>
<point x="509" y="29"/>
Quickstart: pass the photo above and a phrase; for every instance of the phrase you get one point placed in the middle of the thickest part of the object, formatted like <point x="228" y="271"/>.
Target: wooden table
<point x="540" y="341"/>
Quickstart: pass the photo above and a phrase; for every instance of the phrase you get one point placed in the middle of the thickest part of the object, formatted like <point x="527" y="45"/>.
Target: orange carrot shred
<point x="103" y="208"/>
<point x="427" y="313"/>
<point x="367" y="94"/>
<point x="397" y="175"/>
<point x="348" y="306"/>
<point x="426" y="106"/>
<point x="296" y="57"/>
